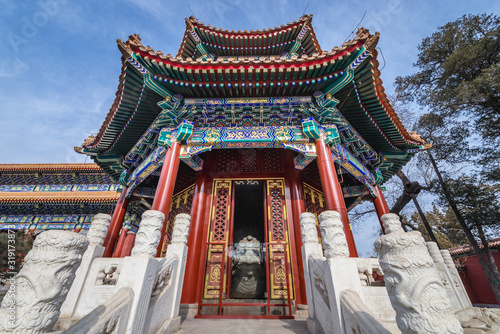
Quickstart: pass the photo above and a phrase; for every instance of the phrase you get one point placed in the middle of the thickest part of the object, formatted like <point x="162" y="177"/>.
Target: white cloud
<point x="13" y="67"/>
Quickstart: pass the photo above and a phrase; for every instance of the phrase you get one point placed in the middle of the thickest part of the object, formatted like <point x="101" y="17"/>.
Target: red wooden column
<point x="380" y="206"/>
<point x="334" y="198"/>
<point x="116" y="224"/>
<point x="294" y="179"/>
<point x="128" y="244"/>
<point x="194" y="243"/>
<point x="166" y="184"/>
<point x="121" y="241"/>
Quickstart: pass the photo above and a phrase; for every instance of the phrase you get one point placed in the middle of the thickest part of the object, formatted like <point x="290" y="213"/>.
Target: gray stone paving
<point x="243" y="326"/>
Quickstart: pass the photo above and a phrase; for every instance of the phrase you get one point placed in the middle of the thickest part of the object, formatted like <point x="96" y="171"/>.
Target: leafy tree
<point x="444" y="225"/>
<point x="458" y="82"/>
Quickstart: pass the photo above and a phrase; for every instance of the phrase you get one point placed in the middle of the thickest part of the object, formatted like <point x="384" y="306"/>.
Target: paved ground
<point x="243" y="326"/>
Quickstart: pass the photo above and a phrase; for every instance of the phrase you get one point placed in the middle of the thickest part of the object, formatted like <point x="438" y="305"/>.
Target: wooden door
<point x="278" y="239"/>
<point x="220" y="219"/>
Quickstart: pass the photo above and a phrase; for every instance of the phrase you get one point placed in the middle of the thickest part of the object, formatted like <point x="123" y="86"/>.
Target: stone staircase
<point x="243" y="326"/>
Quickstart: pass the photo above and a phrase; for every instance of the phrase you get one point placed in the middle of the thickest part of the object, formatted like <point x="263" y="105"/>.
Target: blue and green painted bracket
<point x="155" y="159"/>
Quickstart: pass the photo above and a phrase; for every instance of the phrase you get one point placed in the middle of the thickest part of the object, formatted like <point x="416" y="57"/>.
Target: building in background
<point x="472" y="274"/>
<point x="37" y="197"/>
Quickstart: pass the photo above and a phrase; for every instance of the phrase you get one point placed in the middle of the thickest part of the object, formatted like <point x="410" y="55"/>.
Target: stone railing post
<point x="140" y="269"/>
<point x="445" y="276"/>
<point x="455" y="280"/>
<point x="310" y="246"/>
<point x="343" y="270"/>
<point x="163" y="313"/>
<point x="412" y="281"/>
<point x="98" y="229"/>
<point x="332" y="235"/>
<point x="178" y="248"/>
<point x="33" y="302"/>
<point x="149" y="235"/>
<point x="96" y="235"/>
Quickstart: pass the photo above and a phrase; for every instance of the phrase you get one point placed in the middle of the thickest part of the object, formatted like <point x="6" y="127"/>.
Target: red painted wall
<point x="475" y="281"/>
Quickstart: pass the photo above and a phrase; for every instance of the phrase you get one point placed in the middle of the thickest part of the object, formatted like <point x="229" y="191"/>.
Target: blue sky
<point x="59" y="63"/>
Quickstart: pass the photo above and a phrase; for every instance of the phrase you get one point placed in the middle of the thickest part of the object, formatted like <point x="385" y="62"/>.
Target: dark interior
<point x="248" y="210"/>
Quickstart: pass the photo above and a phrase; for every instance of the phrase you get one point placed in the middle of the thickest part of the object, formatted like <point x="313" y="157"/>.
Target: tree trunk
<point x="405" y="198"/>
<point x="410" y="192"/>
<point x="493" y="279"/>
<point x="424" y="220"/>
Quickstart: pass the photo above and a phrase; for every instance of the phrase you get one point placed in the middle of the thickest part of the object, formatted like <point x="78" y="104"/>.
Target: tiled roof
<point x="467" y="249"/>
<point x="39" y="168"/>
<point x="54" y="197"/>
<point x="273" y="41"/>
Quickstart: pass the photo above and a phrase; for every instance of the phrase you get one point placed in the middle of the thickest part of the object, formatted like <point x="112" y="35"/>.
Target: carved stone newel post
<point x="332" y="235"/>
<point x="310" y="248"/>
<point x="180" y="231"/>
<point x="308" y="228"/>
<point x="149" y="235"/>
<point x="32" y="305"/>
<point x="413" y="284"/>
<point x="98" y="229"/>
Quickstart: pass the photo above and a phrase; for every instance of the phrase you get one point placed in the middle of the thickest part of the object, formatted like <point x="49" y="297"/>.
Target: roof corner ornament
<point x="298" y="42"/>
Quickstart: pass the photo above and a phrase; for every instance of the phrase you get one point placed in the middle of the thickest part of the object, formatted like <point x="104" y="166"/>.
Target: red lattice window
<point x="248" y="160"/>
<point x="310" y="174"/>
<point x="276" y="202"/>
<point x="226" y="161"/>
<point x="272" y="160"/>
<point x="222" y="202"/>
<point x="181" y="203"/>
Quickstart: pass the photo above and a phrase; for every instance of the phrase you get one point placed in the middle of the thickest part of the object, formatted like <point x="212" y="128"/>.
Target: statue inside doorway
<point x="248" y="278"/>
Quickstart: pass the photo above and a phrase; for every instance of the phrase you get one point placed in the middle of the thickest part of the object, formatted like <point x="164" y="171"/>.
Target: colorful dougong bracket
<point x="311" y="128"/>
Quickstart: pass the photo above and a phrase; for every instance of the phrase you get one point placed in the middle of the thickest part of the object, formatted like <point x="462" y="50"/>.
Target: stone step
<point x="232" y="326"/>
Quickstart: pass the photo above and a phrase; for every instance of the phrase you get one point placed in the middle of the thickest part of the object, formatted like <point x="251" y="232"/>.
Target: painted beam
<point x="352" y="165"/>
<point x="146" y="168"/>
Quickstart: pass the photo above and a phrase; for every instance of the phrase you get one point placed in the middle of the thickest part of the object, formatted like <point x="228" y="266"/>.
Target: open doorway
<point x="248" y="271"/>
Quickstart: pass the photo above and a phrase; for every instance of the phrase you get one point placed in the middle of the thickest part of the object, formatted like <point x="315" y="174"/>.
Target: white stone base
<point x="170" y="326"/>
<point x="313" y="327"/>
